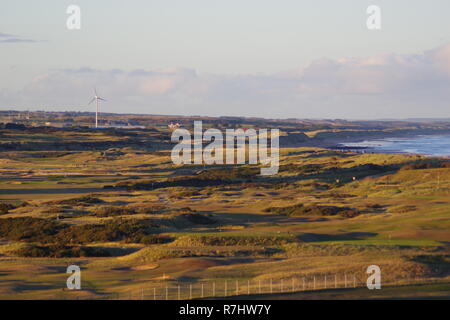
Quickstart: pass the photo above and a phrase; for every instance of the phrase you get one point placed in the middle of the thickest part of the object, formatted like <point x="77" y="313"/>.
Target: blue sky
<point x="280" y="59"/>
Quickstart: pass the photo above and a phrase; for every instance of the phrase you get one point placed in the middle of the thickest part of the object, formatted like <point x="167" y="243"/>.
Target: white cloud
<point x="389" y="85"/>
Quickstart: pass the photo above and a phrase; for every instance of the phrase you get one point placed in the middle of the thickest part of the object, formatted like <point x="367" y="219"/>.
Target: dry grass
<point x="404" y="214"/>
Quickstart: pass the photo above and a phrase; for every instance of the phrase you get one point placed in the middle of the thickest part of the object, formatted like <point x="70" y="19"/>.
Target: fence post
<point x="345" y="280"/>
<point x="248" y="287"/>
<point x="304" y="284"/>
<point x="190" y="291"/>
<point x="314" y="283"/>
<point x="202" y="290"/>
<point x="142" y="294"/>
<point x="259" y="285"/>
<point x="293" y="284"/>
<point x="354" y="281"/>
<point x="335" y="281"/>
<point x="271" y="287"/>
<point x="325" y="286"/>
<point x="237" y="287"/>
<point x="167" y="293"/>
<point x="214" y="289"/>
<point x="226" y="288"/>
<point x="179" y="293"/>
<point x="154" y="293"/>
<point x="281" y="286"/>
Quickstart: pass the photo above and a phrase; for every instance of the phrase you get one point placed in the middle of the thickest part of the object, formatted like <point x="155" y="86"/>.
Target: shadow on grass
<point x="317" y="237"/>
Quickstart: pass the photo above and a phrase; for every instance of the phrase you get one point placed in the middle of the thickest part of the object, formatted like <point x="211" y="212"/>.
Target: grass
<point x="420" y="291"/>
<point x="390" y="242"/>
<point x="403" y="214"/>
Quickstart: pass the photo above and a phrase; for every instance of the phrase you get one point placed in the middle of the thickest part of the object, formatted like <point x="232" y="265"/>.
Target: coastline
<point x="342" y="140"/>
<point x="410" y="145"/>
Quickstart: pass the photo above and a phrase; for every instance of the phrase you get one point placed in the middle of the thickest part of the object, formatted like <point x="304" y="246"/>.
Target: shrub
<point x="427" y="164"/>
<point x="50" y="231"/>
<point x="300" y="209"/>
<point x="5" y="207"/>
<point x="439" y="263"/>
<point x="227" y="174"/>
<point x="186" y="194"/>
<point x="28" y="229"/>
<point x="155" y="239"/>
<point x="198" y="218"/>
<point x="233" y="240"/>
<point x="130" y="231"/>
<point x="153" y="209"/>
<point x="114" y="211"/>
<point x="15" y="126"/>
<point x="54" y="210"/>
<point x="61" y="251"/>
<point x="206" y="178"/>
<point x="32" y="252"/>
<point x="80" y="201"/>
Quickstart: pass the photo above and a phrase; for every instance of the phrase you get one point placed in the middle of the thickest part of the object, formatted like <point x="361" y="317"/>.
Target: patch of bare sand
<point x="144" y="267"/>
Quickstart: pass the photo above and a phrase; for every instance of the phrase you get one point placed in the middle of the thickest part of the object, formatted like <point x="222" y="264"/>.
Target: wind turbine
<point x="96" y="98"/>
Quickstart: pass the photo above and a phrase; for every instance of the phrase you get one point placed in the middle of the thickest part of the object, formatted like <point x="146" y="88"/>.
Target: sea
<point x="429" y="145"/>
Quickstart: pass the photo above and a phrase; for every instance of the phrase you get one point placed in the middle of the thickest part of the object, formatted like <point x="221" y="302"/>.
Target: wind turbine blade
<point x="93" y="99"/>
<point x="101" y="99"/>
<point x="95" y="91"/>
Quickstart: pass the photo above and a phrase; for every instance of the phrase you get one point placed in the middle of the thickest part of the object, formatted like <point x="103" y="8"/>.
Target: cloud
<point x="14" y="39"/>
<point x="382" y="86"/>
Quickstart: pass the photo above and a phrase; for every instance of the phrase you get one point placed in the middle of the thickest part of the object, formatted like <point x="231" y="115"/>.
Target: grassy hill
<point x="115" y="204"/>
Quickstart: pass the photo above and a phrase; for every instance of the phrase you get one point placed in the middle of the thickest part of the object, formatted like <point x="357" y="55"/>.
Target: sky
<point x="264" y="58"/>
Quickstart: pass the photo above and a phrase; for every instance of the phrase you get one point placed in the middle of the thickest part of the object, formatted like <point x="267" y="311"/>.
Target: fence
<point x="229" y="288"/>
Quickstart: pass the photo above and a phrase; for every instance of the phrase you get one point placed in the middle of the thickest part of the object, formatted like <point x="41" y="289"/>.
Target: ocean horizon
<point x="429" y="145"/>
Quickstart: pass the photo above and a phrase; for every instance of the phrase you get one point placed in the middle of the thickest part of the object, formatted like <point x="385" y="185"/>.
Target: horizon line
<point x="241" y="117"/>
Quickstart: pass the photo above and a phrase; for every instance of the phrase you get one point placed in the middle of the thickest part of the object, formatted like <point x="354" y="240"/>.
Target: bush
<point x="153" y="209"/>
<point x="15" y="126"/>
<point x="113" y="211"/>
<point x="186" y="194"/>
<point x="155" y="239"/>
<point x="229" y="174"/>
<point x="445" y="164"/>
<point x="61" y="251"/>
<point x="28" y="229"/>
<point x="427" y="164"/>
<point x="50" y="231"/>
<point x="54" y="210"/>
<point x="32" y="252"/>
<point x="300" y="210"/>
<point x="205" y="178"/>
<point x="5" y="207"/>
<point x="234" y="240"/>
<point x="130" y="231"/>
<point x="198" y="218"/>
<point x="80" y="201"/>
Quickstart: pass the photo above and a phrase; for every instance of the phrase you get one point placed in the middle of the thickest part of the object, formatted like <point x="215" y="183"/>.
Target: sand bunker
<point x="145" y="267"/>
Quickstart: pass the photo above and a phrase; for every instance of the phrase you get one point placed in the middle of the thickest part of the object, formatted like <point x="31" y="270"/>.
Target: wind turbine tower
<point x="96" y="98"/>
